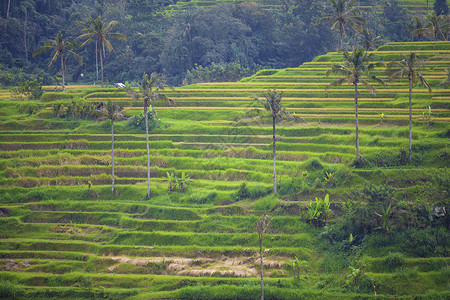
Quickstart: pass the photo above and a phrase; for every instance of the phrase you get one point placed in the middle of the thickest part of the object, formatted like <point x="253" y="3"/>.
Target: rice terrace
<point x="219" y="150"/>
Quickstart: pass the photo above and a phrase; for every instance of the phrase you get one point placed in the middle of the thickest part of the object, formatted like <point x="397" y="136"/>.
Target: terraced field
<point x="63" y="237"/>
<point x="415" y="6"/>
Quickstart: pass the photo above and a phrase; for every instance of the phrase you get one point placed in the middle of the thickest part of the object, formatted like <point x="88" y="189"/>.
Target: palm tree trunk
<point x="357" y="121"/>
<point x="96" y="57"/>
<point x="62" y="72"/>
<point x="274" y="158"/>
<point x="262" y="267"/>
<point x="7" y="10"/>
<point x="101" y="65"/>
<point x="112" y="153"/>
<point x="410" y="119"/>
<point x="148" y="149"/>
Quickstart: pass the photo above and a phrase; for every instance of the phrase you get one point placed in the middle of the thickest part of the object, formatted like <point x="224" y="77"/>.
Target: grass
<point x="62" y="237"/>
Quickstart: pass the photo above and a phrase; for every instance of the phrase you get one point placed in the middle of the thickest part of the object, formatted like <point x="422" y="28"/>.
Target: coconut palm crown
<point x="63" y="48"/>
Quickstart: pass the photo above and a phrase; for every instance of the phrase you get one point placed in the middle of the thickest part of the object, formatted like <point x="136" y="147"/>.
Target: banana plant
<point x="183" y="182"/>
<point x="385" y="216"/>
<point x="172" y="180"/>
<point x="319" y="211"/>
<point x="297" y="265"/>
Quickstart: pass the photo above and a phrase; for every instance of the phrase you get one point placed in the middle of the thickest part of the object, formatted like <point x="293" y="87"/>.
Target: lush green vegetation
<point x="170" y="37"/>
<point x="341" y="228"/>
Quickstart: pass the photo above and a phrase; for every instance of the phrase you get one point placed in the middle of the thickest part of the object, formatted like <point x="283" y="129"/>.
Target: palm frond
<point x="370" y="88"/>
<point x="42" y="50"/>
<point x="77" y="57"/>
<point x="54" y="58"/>
<point x="338" y="82"/>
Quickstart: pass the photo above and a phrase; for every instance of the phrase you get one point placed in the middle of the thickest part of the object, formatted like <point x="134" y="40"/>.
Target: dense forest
<point x="224" y="41"/>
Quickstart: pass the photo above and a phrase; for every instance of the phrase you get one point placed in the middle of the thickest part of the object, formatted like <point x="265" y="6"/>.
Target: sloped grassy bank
<point x="385" y="233"/>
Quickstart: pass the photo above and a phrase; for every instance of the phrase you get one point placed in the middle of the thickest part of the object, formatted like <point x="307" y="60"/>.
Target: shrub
<point x="313" y="164"/>
<point x="138" y="122"/>
<point x="32" y="89"/>
<point x="243" y="192"/>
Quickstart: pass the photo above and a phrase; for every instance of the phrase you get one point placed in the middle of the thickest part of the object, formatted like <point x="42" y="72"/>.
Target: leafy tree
<point x="355" y="66"/>
<point x="148" y="90"/>
<point x="96" y="30"/>
<point x="63" y="48"/>
<point x="271" y="100"/>
<point x="440" y="7"/>
<point x="111" y="111"/>
<point x="343" y="15"/>
<point x="409" y="67"/>
<point x="261" y="227"/>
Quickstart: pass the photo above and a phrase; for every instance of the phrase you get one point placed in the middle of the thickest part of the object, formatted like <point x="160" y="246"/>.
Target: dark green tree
<point x="63" y="48"/>
<point x="149" y="90"/>
<point x="440" y="7"/>
<point x="271" y="100"/>
<point x="409" y="67"/>
<point x="434" y="26"/>
<point x="344" y="14"/>
<point x="354" y="68"/>
<point x="95" y="30"/>
<point x="415" y="27"/>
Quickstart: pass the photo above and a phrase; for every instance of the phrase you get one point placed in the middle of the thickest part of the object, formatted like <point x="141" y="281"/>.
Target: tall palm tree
<point x="111" y="111"/>
<point x="343" y="15"/>
<point x="271" y="100"/>
<point x="96" y="30"/>
<point x="415" y="27"/>
<point x="367" y="40"/>
<point x="409" y="67"/>
<point x="149" y="90"/>
<point x="355" y="66"/>
<point x="63" y="48"/>
<point x="433" y="27"/>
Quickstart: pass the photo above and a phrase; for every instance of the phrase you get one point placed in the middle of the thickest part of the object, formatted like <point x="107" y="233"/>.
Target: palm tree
<point x="368" y="40"/>
<point x="355" y="66"/>
<point x="344" y="14"/>
<point x="433" y="27"/>
<point x="96" y="30"/>
<point x="61" y="46"/>
<point x="415" y="27"/>
<point x="111" y="111"/>
<point x="149" y="90"/>
<point x="409" y="67"/>
<point x="271" y="100"/>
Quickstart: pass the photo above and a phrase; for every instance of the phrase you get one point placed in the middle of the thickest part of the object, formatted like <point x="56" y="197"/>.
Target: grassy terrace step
<point x="71" y="240"/>
<point x="210" y="224"/>
<point x="83" y="250"/>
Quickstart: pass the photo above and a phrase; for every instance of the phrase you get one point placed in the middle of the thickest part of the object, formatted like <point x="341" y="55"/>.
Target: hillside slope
<point x="64" y="234"/>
